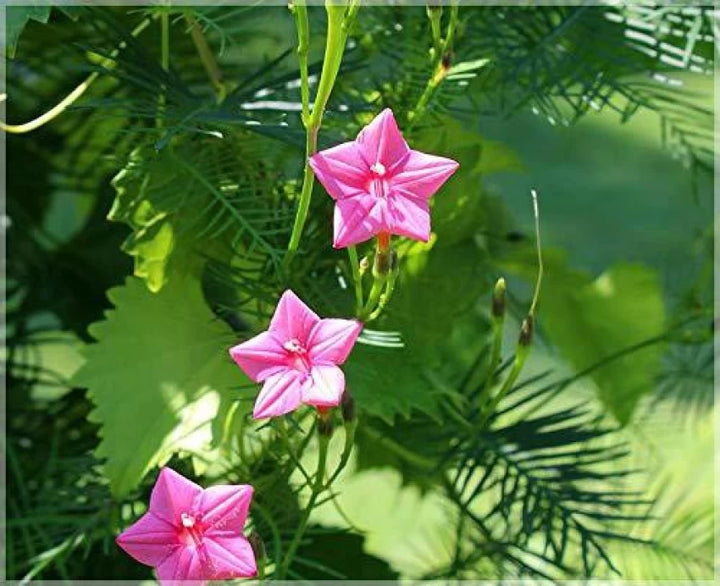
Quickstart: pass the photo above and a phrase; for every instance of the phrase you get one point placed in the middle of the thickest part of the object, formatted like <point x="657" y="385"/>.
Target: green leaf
<point x="47" y="360"/>
<point x="467" y="67"/>
<point x="622" y="307"/>
<point x="456" y="274"/>
<point x="16" y="17"/>
<point x="339" y="555"/>
<point x="390" y="381"/>
<point x="194" y="199"/>
<point x="157" y="374"/>
<point x="139" y="203"/>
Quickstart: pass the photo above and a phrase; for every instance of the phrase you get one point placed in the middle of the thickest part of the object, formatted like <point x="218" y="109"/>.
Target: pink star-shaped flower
<point x="380" y="184"/>
<point x="192" y="534"/>
<point x="297" y="358"/>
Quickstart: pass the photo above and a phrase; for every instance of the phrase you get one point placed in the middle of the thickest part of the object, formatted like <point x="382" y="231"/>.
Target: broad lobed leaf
<point x="156" y="374"/>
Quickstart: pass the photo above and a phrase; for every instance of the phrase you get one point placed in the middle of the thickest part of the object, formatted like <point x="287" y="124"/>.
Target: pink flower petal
<point x="422" y="175"/>
<point x="410" y="217"/>
<point x="331" y="340"/>
<point x="225" y="508"/>
<point x="381" y="141"/>
<point x="279" y="395"/>
<point x="342" y="170"/>
<point x="292" y="319"/>
<point x="357" y="220"/>
<point x="232" y="557"/>
<point x="172" y="495"/>
<point x="150" y="540"/>
<point x="260" y="357"/>
<point x="324" y="387"/>
<point x="183" y="568"/>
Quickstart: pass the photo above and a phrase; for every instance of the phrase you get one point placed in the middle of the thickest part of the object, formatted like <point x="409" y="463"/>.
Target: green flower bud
<point x="526" y="331"/>
<point x="446" y="62"/>
<point x="383" y="263"/>
<point x="364" y="265"/>
<point x="347" y="407"/>
<point x="258" y="546"/>
<point x="325" y="425"/>
<point x="498" y="300"/>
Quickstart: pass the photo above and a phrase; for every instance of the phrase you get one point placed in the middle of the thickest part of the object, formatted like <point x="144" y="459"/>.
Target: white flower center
<point x="188" y="521"/>
<point x="294" y="346"/>
<point x="379" y="169"/>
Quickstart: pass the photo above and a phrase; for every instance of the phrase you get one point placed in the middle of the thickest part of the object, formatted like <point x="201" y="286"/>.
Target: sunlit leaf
<point x="156" y="375"/>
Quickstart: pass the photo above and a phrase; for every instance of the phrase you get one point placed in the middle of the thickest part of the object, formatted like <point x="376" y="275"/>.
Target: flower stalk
<point x="164" y="63"/>
<point x="350" y="420"/>
<point x="441" y="57"/>
<point x="284" y="436"/>
<point x="206" y="56"/>
<point x="299" y="10"/>
<point x="521" y="354"/>
<point x="498" y="322"/>
<point x="434" y="12"/>
<point x="75" y="94"/>
<point x="317" y="489"/>
<point x="385" y="272"/>
<point x="527" y="328"/>
<point x="337" y="33"/>
<point x="357" y="278"/>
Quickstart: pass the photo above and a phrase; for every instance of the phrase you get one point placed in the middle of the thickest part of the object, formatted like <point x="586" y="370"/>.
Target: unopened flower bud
<point x="364" y="265"/>
<point x="446" y="62"/>
<point x="526" y="331"/>
<point x="393" y="261"/>
<point x="325" y="423"/>
<point x="347" y="407"/>
<point x="383" y="263"/>
<point x="258" y="546"/>
<point x="498" y="300"/>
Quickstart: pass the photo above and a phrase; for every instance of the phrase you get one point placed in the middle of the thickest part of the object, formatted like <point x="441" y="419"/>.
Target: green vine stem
<point x="498" y="321"/>
<point x="357" y="278"/>
<point x="371" y="304"/>
<point x="164" y="63"/>
<point x="337" y="32"/>
<point x="317" y="489"/>
<point x="350" y="428"/>
<point x="299" y="9"/>
<point x="206" y="56"/>
<point x="527" y="328"/>
<point x="385" y="297"/>
<point x="434" y="12"/>
<point x="441" y="62"/>
<point x="523" y="349"/>
<point x="497" y="325"/>
<point x="384" y="272"/>
<point x="285" y="437"/>
<point x="74" y="95"/>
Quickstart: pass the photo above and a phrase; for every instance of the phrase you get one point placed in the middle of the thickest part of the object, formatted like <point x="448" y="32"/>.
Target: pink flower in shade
<point x="297" y="358"/>
<point x="192" y="534"/>
<point x="380" y="184"/>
